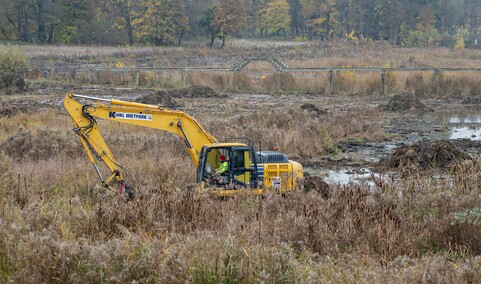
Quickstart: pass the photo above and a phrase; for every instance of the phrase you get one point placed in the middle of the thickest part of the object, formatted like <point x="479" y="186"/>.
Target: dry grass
<point x="219" y="80"/>
<point x="427" y="84"/>
<point x="261" y="77"/>
<point x="379" y="55"/>
<point x="58" y="225"/>
<point x="294" y="54"/>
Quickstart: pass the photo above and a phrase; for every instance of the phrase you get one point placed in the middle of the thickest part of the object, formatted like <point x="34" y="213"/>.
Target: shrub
<point x="12" y="62"/>
<point x="430" y="37"/>
<point x="460" y="39"/>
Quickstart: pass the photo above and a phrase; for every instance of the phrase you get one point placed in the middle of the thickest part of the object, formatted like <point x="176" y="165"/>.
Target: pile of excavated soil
<point x="404" y="102"/>
<point x="14" y="83"/>
<point x="161" y="98"/>
<point x="196" y="91"/>
<point x="424" y="156"/>
<point x="315" y="183"/>
<point x="313" y="109"/>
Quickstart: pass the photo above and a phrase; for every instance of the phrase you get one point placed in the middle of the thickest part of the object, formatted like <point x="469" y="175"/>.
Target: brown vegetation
<point x="58" y="225"/>
<point x="42" y="145"/>
<point x="261" y="77"/>
<point x="166" y="97"/>
<point x="196" y="91"/>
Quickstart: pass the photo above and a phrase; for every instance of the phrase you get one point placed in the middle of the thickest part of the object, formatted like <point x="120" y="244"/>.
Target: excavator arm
<point x="170" y="120"/>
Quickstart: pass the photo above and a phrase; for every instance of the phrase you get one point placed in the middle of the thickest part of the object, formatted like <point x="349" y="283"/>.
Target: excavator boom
<point x="170" y="120"/>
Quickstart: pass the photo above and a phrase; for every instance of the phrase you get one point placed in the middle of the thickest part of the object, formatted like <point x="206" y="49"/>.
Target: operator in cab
<point x="224" y="165"/>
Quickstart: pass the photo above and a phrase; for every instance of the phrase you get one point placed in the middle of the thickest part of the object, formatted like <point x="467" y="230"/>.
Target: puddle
<point x="467" y="127"/>
<point x="252" y="96"/>
<point x="342" y="177"/>
<point x="449" y="125"/>
<point x="440" y="126"/>
<point x="465" y="133"/>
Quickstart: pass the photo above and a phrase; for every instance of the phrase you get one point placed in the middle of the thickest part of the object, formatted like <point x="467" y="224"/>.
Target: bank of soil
<point x="13" y="83"/>
<point x="317" y="184"/>
<point x="160" y="98"/>
<point x="424" y="157"/>
<point x="405" y="102"/>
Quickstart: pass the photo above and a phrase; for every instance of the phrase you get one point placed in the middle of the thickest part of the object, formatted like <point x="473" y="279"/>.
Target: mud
<point x="475" y="100"/>
<point x="313" y="109"/>
<point x="161" y="98"/>
<point x="196" y="91"/>
<point x="405" y="102"/>
<point x="11" y="110"/>
<point x="317" y="184"/>
<point x="424" y="157"/>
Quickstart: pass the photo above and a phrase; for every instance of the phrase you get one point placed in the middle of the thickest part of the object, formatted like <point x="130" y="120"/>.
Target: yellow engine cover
<point x="283" y="176"/>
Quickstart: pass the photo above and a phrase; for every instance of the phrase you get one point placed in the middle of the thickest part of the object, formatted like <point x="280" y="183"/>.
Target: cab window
<point x="213" y="158"/>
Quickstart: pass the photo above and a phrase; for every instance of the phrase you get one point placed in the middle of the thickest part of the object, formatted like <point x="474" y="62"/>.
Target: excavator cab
<point x="241" y="171"/>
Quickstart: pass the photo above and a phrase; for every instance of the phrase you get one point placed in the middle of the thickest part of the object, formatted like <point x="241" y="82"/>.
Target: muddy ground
<point x="408" y="123"/>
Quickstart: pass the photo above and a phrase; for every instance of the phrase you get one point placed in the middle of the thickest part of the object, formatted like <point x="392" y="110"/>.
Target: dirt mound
<point x="405" y="102"/>
<point x="313" y="109"/>
<point x="14" y="82"/>
<point x="423" y="156"/>
<point x="196" y="91"/>
<point x="314" y="183"/>
<point x="159" y="98"/>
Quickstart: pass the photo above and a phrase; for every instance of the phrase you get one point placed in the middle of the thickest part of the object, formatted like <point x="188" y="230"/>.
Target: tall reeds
<point x="58" y="225"/>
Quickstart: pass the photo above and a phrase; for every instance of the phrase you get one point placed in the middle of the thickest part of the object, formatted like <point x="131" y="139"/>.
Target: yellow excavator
<point x="245" y="169"/>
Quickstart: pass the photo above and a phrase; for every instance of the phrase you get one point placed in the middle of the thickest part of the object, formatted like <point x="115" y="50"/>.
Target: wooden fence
<point x="278" y="66"/>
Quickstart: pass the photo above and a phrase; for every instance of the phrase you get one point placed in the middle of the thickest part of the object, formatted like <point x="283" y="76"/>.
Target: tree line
<point x="168" y="22"/>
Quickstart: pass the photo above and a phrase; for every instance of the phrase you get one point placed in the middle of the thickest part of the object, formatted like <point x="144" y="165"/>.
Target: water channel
<point x="450" y="125"/>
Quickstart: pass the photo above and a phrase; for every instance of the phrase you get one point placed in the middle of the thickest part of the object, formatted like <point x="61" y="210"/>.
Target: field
<point x="399" y="224"/>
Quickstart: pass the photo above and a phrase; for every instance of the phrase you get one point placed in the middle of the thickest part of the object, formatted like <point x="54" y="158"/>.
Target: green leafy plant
<point x="470" y="216"/>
